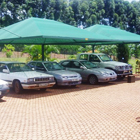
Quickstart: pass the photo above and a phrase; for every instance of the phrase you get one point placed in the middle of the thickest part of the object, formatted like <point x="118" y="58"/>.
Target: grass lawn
<point x="133" y="63"/>
<point x="20" y="59"/>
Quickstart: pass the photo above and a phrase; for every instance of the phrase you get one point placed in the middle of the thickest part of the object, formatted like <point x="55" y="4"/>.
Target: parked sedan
<point x="62" y="77"/>
<point x="20" y="76"/>
<point x="4" y="88"/>
<point x="89" y="71"/>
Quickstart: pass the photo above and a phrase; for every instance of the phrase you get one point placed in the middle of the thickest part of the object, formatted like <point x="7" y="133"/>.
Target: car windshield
<point x="105" y="58"/>
<point x="18" y="67"/>
<point x="88" y="64"/>
<point x="52" y="66"/>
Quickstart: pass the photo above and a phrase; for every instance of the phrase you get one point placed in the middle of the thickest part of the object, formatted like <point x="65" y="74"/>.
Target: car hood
<point x="115" y="63"/>
<point x="101" y="70"/>
<point x="63" y="73"/>
<point x="32" y="74"/>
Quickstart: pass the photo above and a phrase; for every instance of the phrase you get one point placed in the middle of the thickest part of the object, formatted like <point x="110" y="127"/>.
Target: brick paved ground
<point x="102" y="112"/>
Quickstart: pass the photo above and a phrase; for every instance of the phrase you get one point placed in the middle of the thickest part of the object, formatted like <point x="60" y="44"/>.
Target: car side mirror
<point x="6" y="71"/>
<point x="82" y="67"/>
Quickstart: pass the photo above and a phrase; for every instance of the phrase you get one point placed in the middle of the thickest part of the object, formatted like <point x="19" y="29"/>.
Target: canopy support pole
<point x="93" y="47"/>
<point x="42" y="52"/>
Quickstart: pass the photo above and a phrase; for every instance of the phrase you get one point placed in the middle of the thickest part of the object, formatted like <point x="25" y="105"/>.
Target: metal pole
<point x="42" y="52"/>
<point x="93" y="47"/>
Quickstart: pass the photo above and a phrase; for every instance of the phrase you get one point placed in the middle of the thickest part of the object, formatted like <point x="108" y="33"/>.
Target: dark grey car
<point x="62" y="77"/>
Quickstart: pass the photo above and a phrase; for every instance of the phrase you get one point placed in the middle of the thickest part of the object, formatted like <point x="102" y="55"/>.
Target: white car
<point x="20" y="76"/>
<point x="4" y="88"/>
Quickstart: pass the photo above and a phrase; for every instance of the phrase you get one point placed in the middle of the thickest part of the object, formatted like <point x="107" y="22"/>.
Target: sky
<point x="131" y="0"/>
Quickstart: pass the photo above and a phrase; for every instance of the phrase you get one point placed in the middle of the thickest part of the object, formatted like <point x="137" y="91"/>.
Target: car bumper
<point x="107" y="79"/>
<point x="121" y="73"/>
<point x="38" y="86"/>
<point x="4" y="92"/>
<point x="69" y="82"/>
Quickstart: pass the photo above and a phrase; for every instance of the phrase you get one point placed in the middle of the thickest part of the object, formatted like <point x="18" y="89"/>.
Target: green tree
<point x="123" y="53"/>
<point x="8" y="49"/>
<point x="35" y="51"/>
<point x="110" y="50"/>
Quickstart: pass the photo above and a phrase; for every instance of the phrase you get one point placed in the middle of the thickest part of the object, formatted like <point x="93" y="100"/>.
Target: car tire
<point x="1" y="97"/>
<point x="17" y="87"/>
<point x="92" y="80"/>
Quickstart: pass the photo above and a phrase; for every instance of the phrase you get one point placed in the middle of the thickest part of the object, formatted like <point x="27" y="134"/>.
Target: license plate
<point x="74" y="79"/>
<point x="43" y="85"/>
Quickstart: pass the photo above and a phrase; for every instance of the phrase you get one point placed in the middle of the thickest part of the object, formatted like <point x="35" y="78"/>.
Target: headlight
<point x="64" y="77"/>
<point x="116" y="67"/>
<point x="30" y="80"/>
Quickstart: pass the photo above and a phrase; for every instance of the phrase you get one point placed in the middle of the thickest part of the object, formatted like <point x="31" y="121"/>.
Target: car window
<point x="32" y="64"/>
<point x="84" y="56"/>
<point x="105" y="58"/>
<point x="53" y="66"/>
<point x="94" y="58"/>
<point x="39" y="66"/>
<point x="75" y="64"/>
<point x="66" y="64"/>
<point x="88" y="64"/>
<point x="18" y="67"/>
<point x="2" y="66"/>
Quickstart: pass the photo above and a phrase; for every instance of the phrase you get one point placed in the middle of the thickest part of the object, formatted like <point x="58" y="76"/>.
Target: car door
<point x="94" y="59"/>
<point x="4" y="75"/>
<point x="76" y="66"/>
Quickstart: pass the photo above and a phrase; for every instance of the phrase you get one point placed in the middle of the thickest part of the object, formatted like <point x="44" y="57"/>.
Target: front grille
<point x="72" y="76"/>
<point x="41" y="79"/>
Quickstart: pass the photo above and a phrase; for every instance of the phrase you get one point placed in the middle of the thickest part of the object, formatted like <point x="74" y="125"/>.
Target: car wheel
<point x="43" y="89"/>
<point x="17" y="87"/>
<point x="93" y="80"/>
<point x="1" y="97"/>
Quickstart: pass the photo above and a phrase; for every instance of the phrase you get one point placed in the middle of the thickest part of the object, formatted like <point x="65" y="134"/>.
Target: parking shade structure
<point x="44" y="31"/>
<point x="116" y="34"/>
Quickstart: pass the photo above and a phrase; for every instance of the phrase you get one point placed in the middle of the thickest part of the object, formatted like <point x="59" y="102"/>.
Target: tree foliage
<point x="116" y="13"/>
<point x="123" y="53"/>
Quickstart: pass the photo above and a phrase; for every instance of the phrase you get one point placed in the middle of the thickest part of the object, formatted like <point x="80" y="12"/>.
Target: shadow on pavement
<point x="31" y="94"/>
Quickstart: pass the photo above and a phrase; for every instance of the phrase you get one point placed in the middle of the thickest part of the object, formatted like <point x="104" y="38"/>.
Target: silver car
<point x="62" y="77"/>
<point x="89" y="71"/>
<point x="4" y="88"/>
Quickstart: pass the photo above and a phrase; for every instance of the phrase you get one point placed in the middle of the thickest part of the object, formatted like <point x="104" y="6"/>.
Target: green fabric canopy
<point x="44" y="31"/>
<point x="118" y="35"/>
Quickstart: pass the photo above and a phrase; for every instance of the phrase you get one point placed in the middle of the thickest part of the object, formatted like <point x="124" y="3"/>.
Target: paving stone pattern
<point x="107" y="111"/>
